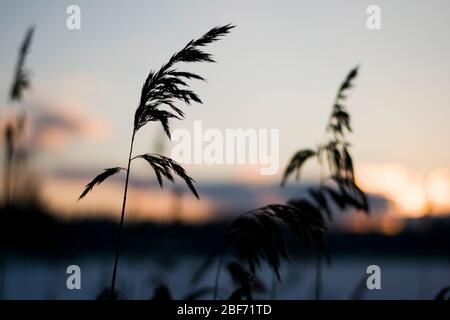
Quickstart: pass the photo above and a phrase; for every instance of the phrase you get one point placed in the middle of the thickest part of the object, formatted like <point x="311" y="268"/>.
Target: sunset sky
<point x="278" y="69"/>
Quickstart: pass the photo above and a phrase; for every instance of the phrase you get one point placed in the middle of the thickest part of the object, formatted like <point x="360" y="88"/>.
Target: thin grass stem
<point x="122" y="216"/>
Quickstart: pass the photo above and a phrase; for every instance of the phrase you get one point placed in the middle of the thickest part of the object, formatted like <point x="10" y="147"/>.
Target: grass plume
<point x="21" y="79"/>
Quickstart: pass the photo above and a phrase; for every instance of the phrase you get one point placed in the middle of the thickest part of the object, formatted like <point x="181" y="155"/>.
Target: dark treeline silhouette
<point x="35" y="229"/>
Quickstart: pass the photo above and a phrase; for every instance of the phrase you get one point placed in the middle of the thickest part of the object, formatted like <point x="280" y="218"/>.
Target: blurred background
<point x="279" y="69"/>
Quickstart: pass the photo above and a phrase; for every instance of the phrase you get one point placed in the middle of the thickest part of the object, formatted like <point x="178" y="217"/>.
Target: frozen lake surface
<point x="401" y="278"/>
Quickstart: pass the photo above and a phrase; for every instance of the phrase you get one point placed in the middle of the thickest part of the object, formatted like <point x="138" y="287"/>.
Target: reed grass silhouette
<point x="162" y="89"/>
<point x="14" y="128"/>
<point x="257" y="235"/>
<point x="339" y="188"/>
<point x="443" y="294"/>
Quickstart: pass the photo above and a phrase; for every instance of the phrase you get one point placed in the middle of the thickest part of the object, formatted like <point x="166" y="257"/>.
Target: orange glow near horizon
<point x="411" y="195"/>
<point x="414" y="194"/>
<point x="144" y="204"/>
<point x="438" y="188"/>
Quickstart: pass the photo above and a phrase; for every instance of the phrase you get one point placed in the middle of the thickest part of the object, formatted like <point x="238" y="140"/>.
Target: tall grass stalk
<point x="335" y="150"/>
<point x="257" y="235"/>
<point x="160" y="92"/>
<point x="14" y="130"/>
<point x="122" y="216"/>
